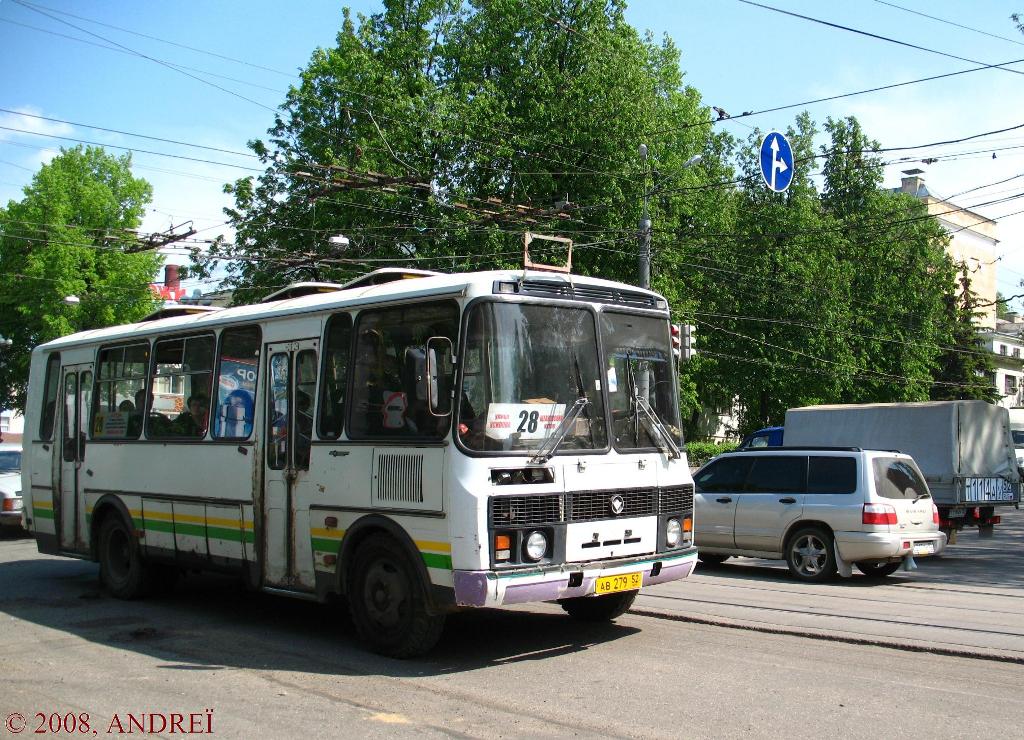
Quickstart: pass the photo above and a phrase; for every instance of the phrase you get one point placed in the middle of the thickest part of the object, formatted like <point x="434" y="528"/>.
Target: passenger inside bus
<point x="193" y="421"/>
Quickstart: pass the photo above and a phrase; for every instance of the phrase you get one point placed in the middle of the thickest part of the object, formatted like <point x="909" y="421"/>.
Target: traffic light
<point x="689" y="339"/>
<point x="677" y="341"/>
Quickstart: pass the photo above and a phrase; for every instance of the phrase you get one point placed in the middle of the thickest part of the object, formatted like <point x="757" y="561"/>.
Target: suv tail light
<point x="879" y="514"/>
<point x="935" y="514"/>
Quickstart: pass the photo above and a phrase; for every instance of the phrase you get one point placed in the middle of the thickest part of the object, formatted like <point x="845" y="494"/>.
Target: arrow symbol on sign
<point x="778" y="165"/>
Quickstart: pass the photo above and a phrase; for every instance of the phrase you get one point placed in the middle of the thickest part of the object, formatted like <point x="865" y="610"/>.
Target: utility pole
<point x="644" y="233"/>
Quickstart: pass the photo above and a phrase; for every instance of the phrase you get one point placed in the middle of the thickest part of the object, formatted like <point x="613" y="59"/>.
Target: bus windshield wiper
<point x="656" y="428"/>
<point x="550" y="446"/>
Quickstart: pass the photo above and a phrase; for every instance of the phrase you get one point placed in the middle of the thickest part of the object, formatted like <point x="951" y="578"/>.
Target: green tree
<point x="966" y="366"/>
<point x="436" y="132"/>
<point x="69" y="235"/>
<point x="894" y="272"/>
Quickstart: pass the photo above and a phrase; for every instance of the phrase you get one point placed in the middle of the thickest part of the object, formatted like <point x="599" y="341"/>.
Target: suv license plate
<point x="615" y="584"/>
<point x="957" y="512"/>
<point x="924" y="548"/>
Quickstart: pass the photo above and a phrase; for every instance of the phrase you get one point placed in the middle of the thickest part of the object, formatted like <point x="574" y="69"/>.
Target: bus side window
<point x="337" y="347"/>
<point x="50" y="397"/>
<point x="389" y="389"/>
<point x="237" y="373"/>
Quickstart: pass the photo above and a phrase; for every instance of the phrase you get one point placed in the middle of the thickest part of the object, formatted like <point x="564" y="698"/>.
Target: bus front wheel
<point x="599" y="608"/>
<point x="387" y="602"/>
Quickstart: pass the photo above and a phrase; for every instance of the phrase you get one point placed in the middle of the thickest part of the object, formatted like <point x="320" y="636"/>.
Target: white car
<point x="820" y="509"/>
<point x="10" y="484"/>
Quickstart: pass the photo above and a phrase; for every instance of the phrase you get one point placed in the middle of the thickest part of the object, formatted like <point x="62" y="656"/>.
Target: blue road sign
<point x="776" y="162"/>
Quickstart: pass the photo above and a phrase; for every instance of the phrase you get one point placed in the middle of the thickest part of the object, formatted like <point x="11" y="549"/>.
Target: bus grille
<point x="676" y="499"/>
<point x="585" y="506"/>
<point x="525" y="511"/>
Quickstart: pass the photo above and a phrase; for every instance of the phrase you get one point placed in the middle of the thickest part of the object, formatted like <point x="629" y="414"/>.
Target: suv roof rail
<point x="798" y="448"/>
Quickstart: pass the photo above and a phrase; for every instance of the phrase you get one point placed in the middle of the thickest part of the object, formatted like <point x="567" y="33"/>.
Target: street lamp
<point x="645" y="221"/>
<point x="71" y="300"/>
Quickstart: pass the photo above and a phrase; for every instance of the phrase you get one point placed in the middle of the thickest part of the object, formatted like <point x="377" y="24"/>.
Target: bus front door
<point x="290" y="394"/>
<point x="70" y="514"/>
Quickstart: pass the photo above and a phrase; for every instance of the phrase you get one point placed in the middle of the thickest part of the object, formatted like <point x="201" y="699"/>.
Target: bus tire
<point x="599" y="608"/>
<point x="123" y="572"/>
<point x="387" y="601"/>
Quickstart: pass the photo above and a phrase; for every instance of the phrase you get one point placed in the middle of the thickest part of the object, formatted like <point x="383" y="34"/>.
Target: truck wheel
<point x="599" y="608"/>
<point x="387" y="601"/>
<point x="878" y="570"/>
<point x="122" y="570"/>
<point x="811" y="555"/>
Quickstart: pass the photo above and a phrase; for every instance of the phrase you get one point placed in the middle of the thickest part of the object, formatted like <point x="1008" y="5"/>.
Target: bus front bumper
<point x="566" y="580"/>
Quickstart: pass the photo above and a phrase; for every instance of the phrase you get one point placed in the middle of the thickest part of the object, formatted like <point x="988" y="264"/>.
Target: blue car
<point x="767" y="437"/>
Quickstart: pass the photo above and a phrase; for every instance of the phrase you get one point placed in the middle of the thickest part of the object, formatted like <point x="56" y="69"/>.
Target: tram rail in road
<point x="968" y="601"/>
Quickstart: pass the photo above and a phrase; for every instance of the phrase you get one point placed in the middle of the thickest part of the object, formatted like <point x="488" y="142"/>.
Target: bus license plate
<point x="924" y="548"/>
<point x="615" y="584"/>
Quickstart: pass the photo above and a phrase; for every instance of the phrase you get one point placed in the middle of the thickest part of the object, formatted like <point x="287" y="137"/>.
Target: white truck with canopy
<point x="964" y="449"/>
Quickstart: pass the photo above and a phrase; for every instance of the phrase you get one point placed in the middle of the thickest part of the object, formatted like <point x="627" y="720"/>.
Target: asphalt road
<point x="272" y="667"/>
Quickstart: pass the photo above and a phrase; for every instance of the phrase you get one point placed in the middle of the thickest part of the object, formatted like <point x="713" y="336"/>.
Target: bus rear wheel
<point x="122" y="570"/>
<point x="599" y="608"/>
<point x="387" y="601"/>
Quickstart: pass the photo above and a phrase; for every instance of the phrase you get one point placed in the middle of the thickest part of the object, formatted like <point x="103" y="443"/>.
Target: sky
<point x="212" y="73"/>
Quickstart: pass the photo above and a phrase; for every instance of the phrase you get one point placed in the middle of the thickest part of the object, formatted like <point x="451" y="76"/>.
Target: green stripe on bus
<point x="433" y="560"/>
<point x="158" y="525"/>
<point x="191" y="530"/>
<point x="44" y="513"/>
<point x="324" y="545"/>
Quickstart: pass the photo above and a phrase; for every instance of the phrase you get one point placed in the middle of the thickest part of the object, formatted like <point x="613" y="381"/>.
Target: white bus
<point x="412" y="445"/>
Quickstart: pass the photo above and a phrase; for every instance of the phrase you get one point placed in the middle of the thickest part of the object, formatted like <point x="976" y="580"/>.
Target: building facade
<point x="1006" y="343"/>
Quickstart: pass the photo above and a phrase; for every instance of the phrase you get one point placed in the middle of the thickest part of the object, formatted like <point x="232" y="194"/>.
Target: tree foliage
<point x="436" y="132"/>
<point x="68" y="236"/>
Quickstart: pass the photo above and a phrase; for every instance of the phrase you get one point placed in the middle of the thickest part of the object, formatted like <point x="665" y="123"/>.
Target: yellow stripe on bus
<point x="434" y="546"/>
<point x="42" y="504"/>
<point x="330" y="534"/>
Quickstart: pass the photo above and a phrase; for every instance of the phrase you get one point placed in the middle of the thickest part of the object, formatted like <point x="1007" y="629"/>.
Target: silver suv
<point x="820" y="509"/>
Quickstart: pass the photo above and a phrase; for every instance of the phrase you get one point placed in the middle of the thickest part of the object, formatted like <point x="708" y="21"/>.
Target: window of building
<point x="182" y="375"/>
<point x="337" y="347"/>
<point x="1010" y="385"/>
<point x="1002" y="349"/>
<point x="50" y="387"/>
<point x="389" y="396"/>
<point x="1016" y="351"/>
<point x="120" y="398"/>
<point x="238" y="369"/>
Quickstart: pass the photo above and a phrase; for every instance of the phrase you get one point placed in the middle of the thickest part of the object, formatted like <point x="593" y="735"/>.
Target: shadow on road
<point x="210" y="622"/>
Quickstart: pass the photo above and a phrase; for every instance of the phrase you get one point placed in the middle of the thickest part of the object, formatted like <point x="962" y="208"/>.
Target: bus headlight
<point x="536" y="546"/>
<point x="673" y="532"/>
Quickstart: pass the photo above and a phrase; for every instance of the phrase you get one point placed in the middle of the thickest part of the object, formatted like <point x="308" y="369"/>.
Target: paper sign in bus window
<point x="523" y="420"/>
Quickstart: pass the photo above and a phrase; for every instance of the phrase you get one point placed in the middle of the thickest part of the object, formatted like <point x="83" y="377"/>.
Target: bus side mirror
<point x="440" y="374"/>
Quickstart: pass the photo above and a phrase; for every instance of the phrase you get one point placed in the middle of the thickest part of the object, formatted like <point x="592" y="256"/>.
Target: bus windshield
<point x="641" y="384"/>
<point x="526" y="368"/>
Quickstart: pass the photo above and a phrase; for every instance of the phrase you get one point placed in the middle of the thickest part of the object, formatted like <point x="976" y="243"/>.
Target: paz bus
<point x="412" y="442"/>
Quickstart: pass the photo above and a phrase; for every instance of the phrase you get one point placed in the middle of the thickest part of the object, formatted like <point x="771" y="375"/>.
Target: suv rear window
<point x="832" y="475"/>
<point x="895" y="478"/>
